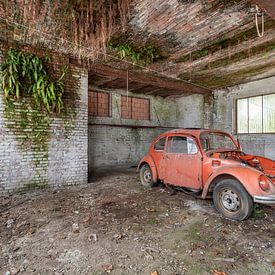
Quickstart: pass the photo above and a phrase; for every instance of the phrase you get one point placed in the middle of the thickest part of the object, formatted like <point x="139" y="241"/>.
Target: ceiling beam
<point x="150" y="79"/>
<point x="99" y="82"/>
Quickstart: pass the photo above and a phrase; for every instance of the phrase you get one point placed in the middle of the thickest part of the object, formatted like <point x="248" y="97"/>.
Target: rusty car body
<point x="210" y="163"/>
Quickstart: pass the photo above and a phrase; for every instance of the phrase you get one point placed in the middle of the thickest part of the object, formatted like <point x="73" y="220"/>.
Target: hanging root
<point x="88" y="24"/>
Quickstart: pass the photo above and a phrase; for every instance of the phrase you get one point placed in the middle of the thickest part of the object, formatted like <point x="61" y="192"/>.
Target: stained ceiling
<point x="200" y="45"/>
<point x="211" y="43"/>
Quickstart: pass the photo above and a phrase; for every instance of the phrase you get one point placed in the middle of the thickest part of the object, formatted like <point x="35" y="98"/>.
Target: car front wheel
<point x="146" y="176"/>
<point x="232" y="200"/>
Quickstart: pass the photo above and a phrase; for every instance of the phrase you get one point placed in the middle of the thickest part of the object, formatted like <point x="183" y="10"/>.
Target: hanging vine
<point x="83" y="26"/>
<point x="33" y="93"/>
<point x="24" y="74"/>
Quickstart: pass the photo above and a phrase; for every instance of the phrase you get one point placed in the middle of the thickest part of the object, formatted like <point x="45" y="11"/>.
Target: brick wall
<point x="118" y="147"/>
<point x="117" y="141"/>
<point x="99" y="104"/>
<point x="135" y="108"/>
<point x="59" y="156"/>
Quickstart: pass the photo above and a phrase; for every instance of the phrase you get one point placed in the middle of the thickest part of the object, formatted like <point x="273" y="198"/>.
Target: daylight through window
<point x="256" y="114"/>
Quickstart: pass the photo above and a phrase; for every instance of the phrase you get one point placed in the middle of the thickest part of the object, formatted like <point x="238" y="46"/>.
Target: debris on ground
<point x="93" y="237"/>
<point x="108" y="268"/>
<point x="75" y="227"/>
<point x="141" y="232"/>
<point x="9" y="223"/>
<point x="229" y="260"/>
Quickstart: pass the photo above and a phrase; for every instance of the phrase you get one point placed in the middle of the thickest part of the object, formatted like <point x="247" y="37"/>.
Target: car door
<point x="157" y="154"/>
<point x="182" y="162"/>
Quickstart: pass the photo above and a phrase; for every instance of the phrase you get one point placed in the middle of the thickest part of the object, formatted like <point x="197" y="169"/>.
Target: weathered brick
<point x="66" y="159"/>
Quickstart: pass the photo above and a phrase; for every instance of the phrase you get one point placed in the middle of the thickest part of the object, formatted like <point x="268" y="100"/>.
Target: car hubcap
<point x="147" y="176"/>
<point x="230" y="200"/>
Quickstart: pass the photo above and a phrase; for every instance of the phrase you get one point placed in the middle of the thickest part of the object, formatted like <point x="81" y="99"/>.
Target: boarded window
<point x="256" y="114"/>
<point x="99" y="104"/>
<point x="135" y="108"/>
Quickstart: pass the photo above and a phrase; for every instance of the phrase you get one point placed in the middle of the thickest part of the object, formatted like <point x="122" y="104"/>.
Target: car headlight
<point x="264" y="183"/>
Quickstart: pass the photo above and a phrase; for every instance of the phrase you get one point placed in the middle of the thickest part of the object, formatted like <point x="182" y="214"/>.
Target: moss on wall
<point x="31" y="127"/>
<point x="164" y="112"/>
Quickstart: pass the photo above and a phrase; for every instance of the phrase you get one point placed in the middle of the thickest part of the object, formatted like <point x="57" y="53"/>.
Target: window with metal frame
<point x="135" y="108"/>
<point x="182" y="145"/>
<point x="99" y="104"/>
<point x="256" y="115"/>
<point x="160" y="144"/>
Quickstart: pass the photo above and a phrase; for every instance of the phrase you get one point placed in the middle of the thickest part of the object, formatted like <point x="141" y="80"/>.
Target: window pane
<point x="191" y="146"/>
<point x="216" y="141"/>
<point x="269" y="113"/>
<point x="242" y="115"/>
<point x="255" y="114"/>
<point x="159" y="146"/>
<point x="178" y="145"/>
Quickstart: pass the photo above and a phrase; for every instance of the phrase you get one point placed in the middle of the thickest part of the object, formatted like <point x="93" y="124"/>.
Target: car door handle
<point x="165" y="157"/>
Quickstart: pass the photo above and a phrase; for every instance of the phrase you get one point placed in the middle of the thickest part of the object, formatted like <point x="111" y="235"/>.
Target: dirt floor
<point x="115" y="226"/>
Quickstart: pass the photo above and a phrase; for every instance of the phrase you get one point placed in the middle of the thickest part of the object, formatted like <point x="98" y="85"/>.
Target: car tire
<point x="232" y="200"/>
<point x="145" y="174"/>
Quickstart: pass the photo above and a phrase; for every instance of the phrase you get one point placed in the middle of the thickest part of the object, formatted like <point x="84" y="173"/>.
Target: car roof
<point x="190" y="131"/>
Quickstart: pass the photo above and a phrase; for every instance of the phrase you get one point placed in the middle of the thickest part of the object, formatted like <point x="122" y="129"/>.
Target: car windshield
<point x="216" y="141"/>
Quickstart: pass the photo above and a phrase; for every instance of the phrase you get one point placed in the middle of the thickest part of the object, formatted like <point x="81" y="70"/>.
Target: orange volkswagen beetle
<point x="210" y="164"/>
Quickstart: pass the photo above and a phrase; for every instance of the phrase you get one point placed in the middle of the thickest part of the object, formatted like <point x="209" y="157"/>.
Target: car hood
<point x="261" y="164"/>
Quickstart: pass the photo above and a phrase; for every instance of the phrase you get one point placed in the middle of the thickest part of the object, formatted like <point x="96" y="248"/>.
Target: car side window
<point x="182" y="145"/>
<point x="160" y="144"/>
<point x="191" y="146"/>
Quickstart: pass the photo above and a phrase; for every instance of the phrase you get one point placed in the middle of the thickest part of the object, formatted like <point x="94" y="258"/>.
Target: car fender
<point x="247" y="176"/>
<point x="149" y="160"/>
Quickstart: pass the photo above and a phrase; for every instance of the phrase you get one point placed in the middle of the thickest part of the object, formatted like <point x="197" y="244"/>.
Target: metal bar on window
<point x="265" y="120"/>
<point x="149" y="109"/>
<point x="97" y="104"/>
<point x="131" y="108"/>
<point x="110" y="106"/>
<point x="248" y="115"/>
<point x="262" y="114"/>
<point x="237" y="116"/>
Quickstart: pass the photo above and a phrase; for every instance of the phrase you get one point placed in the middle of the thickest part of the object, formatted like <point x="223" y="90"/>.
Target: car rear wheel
<point x="232" y="200"/>
<point x="146" y="176"/>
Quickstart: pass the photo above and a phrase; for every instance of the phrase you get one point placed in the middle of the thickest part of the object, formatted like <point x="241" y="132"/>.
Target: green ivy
<point x="32" y="95"/>
<point x="25" y="74"/>
<point x="143" y="56"/>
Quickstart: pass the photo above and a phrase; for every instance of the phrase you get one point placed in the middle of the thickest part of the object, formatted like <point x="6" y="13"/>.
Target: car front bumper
<point x="268" y="200"/>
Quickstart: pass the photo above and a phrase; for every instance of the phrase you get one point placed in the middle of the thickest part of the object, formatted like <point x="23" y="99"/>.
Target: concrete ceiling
<point x="268" y="6"/>
<point x="211" y="43"/>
